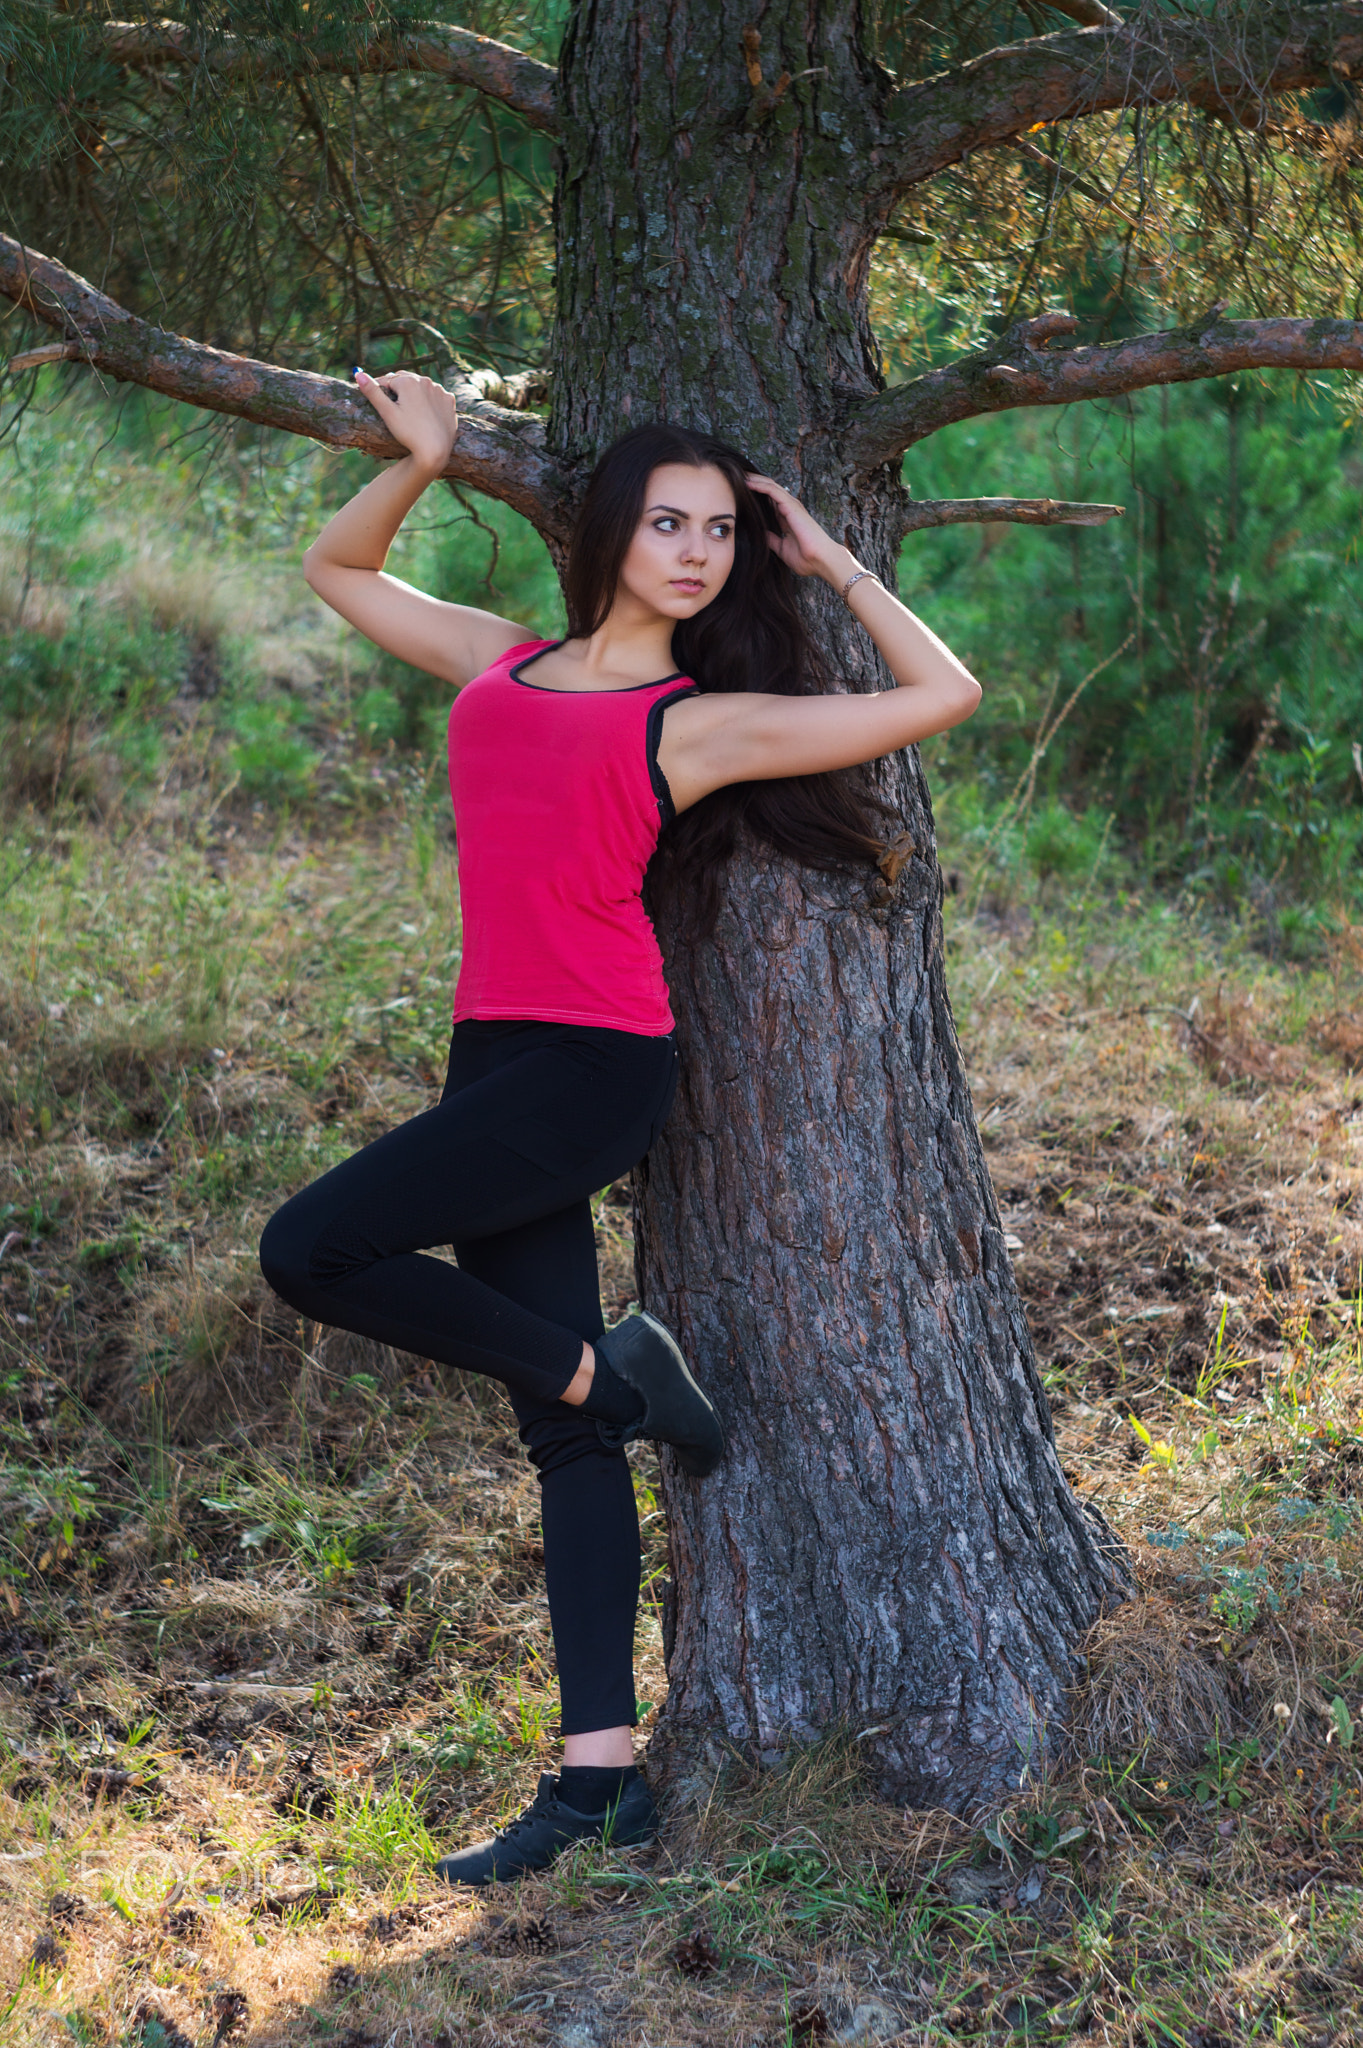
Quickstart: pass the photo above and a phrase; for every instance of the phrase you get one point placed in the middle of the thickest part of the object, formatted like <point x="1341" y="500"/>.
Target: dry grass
<point x="271" y="1616"/>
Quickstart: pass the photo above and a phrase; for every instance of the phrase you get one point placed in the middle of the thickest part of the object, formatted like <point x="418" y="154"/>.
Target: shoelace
<point x="521" y="1822"/>
<point x="532" y="1812"/>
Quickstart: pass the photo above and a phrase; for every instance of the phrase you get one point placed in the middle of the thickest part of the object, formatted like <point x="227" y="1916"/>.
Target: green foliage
<point x="302" y="212"/>
<point x="460" y="1742"/>
<point x="1342" y="1727"/>
<point x="245" y="193"/>
<point x="1221" y="742"/>
<point x="36" y="1218"/>
<point x="325" y="1533"/>
<point x="1216" y="1782"/>
<point x="268" y="757"/>
<point x="383" y="1828"/>
<point x="44" y="1505"/>
<point x="1034" y="1834"/>
<point x="380" y="714"/>
<point x="82" y="641"/>
<point x="1060" y="843"/>
<point x="260" y="1160"/>
<point x="104" y="664"/>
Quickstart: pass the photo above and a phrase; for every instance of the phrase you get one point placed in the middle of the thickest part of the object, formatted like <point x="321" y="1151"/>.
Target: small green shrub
<point x="106" y="661"/>
<point x="1059" y="843"/>
<point x="268" y="756"/>
<point x="1303" y="933"/>
<point x="380" y="714"/>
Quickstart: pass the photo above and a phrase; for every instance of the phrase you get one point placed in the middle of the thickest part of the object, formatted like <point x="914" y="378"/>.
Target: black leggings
<point x="534" y="1119"/>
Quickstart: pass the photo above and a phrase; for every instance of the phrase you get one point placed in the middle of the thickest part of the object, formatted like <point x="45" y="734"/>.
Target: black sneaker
<point x="545" y="1829"/>
<point x="676" y="1412"/>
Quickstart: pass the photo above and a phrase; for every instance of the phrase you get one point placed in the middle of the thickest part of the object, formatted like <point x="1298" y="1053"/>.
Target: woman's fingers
<point x="781" y="501"/>
<point x="418" y="413"/>
<point x="766" y="488"/>
<point x="376" y="392"/>
<point x="788" y="508"/>
<point x="802" y="543"/>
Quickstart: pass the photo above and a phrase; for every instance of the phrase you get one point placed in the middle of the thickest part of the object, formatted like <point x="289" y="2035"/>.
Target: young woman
<point x="686" y="695"/>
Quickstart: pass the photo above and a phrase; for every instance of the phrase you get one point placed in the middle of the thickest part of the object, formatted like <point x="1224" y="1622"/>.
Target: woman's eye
<point x="666" y="525"/>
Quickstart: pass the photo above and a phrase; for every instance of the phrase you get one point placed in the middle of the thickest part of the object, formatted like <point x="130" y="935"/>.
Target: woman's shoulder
<point x="500" y="664"/>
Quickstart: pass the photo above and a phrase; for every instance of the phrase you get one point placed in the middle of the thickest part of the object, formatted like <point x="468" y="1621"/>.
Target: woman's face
<point x="683" y="547"/>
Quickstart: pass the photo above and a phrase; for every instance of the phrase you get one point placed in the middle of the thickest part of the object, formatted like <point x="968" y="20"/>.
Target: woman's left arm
<point x="718" y="740"/>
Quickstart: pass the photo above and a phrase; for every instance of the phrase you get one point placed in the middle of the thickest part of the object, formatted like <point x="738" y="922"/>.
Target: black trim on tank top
<point x="653" y="739"/>
<point x="550" y="691"/>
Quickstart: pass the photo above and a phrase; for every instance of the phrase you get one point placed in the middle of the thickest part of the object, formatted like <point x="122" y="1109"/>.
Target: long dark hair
<point x="752" y="636"/>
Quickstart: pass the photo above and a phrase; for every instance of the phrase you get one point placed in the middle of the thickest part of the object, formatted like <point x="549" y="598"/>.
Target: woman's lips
<point x="687" y="583"/>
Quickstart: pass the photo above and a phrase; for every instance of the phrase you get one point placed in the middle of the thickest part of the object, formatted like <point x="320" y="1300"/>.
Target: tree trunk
<point x="890" y="1546"/>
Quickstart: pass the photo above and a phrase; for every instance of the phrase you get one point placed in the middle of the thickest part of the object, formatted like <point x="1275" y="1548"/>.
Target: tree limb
<point x="1228" y="67"/>
<point x="1023" y="371"/>
<point x="928" y="512"/>
<point x="519" y="82"/>
<point x="500" y="451"/>
<point x="1091" y="13"/>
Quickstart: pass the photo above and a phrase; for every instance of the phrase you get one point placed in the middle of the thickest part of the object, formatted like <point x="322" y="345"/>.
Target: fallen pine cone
<point x="230" y="2009"/>
<point x="529" y="1936"/>
<point x="697" y="1955"/>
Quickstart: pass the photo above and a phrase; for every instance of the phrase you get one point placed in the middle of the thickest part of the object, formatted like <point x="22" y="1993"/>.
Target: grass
<point x="275" y="1628"/>
<point x="272" y="1625"/>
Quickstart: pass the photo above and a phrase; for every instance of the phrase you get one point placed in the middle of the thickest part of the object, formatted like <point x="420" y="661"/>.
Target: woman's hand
<point x="417" y="411"/>
<point x="802" y="543"/>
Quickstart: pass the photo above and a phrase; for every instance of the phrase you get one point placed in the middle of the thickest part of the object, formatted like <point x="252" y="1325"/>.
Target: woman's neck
<point x="633" y="645"/>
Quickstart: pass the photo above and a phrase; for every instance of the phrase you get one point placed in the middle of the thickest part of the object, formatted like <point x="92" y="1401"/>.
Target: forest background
<point x="274" y="1625"/>
<point x="1211" y="757"/>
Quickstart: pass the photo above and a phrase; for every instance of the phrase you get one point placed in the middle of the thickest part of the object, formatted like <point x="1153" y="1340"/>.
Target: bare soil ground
<point x="272" y="1630"/>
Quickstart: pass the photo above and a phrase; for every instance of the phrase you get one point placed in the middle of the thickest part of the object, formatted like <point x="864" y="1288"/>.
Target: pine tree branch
<point x="499" y="450"/>
<point x="928" y="512"/>
<point x="1091" y="13"/>
<point x="1023" y="370"/>
<point x="519" y="82"/>
<point x="1230" y="66"/>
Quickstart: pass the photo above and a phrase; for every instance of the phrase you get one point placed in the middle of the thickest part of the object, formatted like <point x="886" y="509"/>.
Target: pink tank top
<point x="558" y="802"/>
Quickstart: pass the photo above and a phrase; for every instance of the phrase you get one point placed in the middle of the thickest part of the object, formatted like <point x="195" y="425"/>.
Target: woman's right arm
<point x="344" y="565"/>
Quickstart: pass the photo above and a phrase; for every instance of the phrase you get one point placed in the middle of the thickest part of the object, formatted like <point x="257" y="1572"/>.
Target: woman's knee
<point x="286" y="1251"/>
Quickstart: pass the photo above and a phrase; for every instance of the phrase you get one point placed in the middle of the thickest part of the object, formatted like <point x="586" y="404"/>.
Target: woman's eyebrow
<point x="678" y="513"/>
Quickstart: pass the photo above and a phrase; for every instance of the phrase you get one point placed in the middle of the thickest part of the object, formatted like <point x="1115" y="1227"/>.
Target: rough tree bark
<point x="891" y="1546"/>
